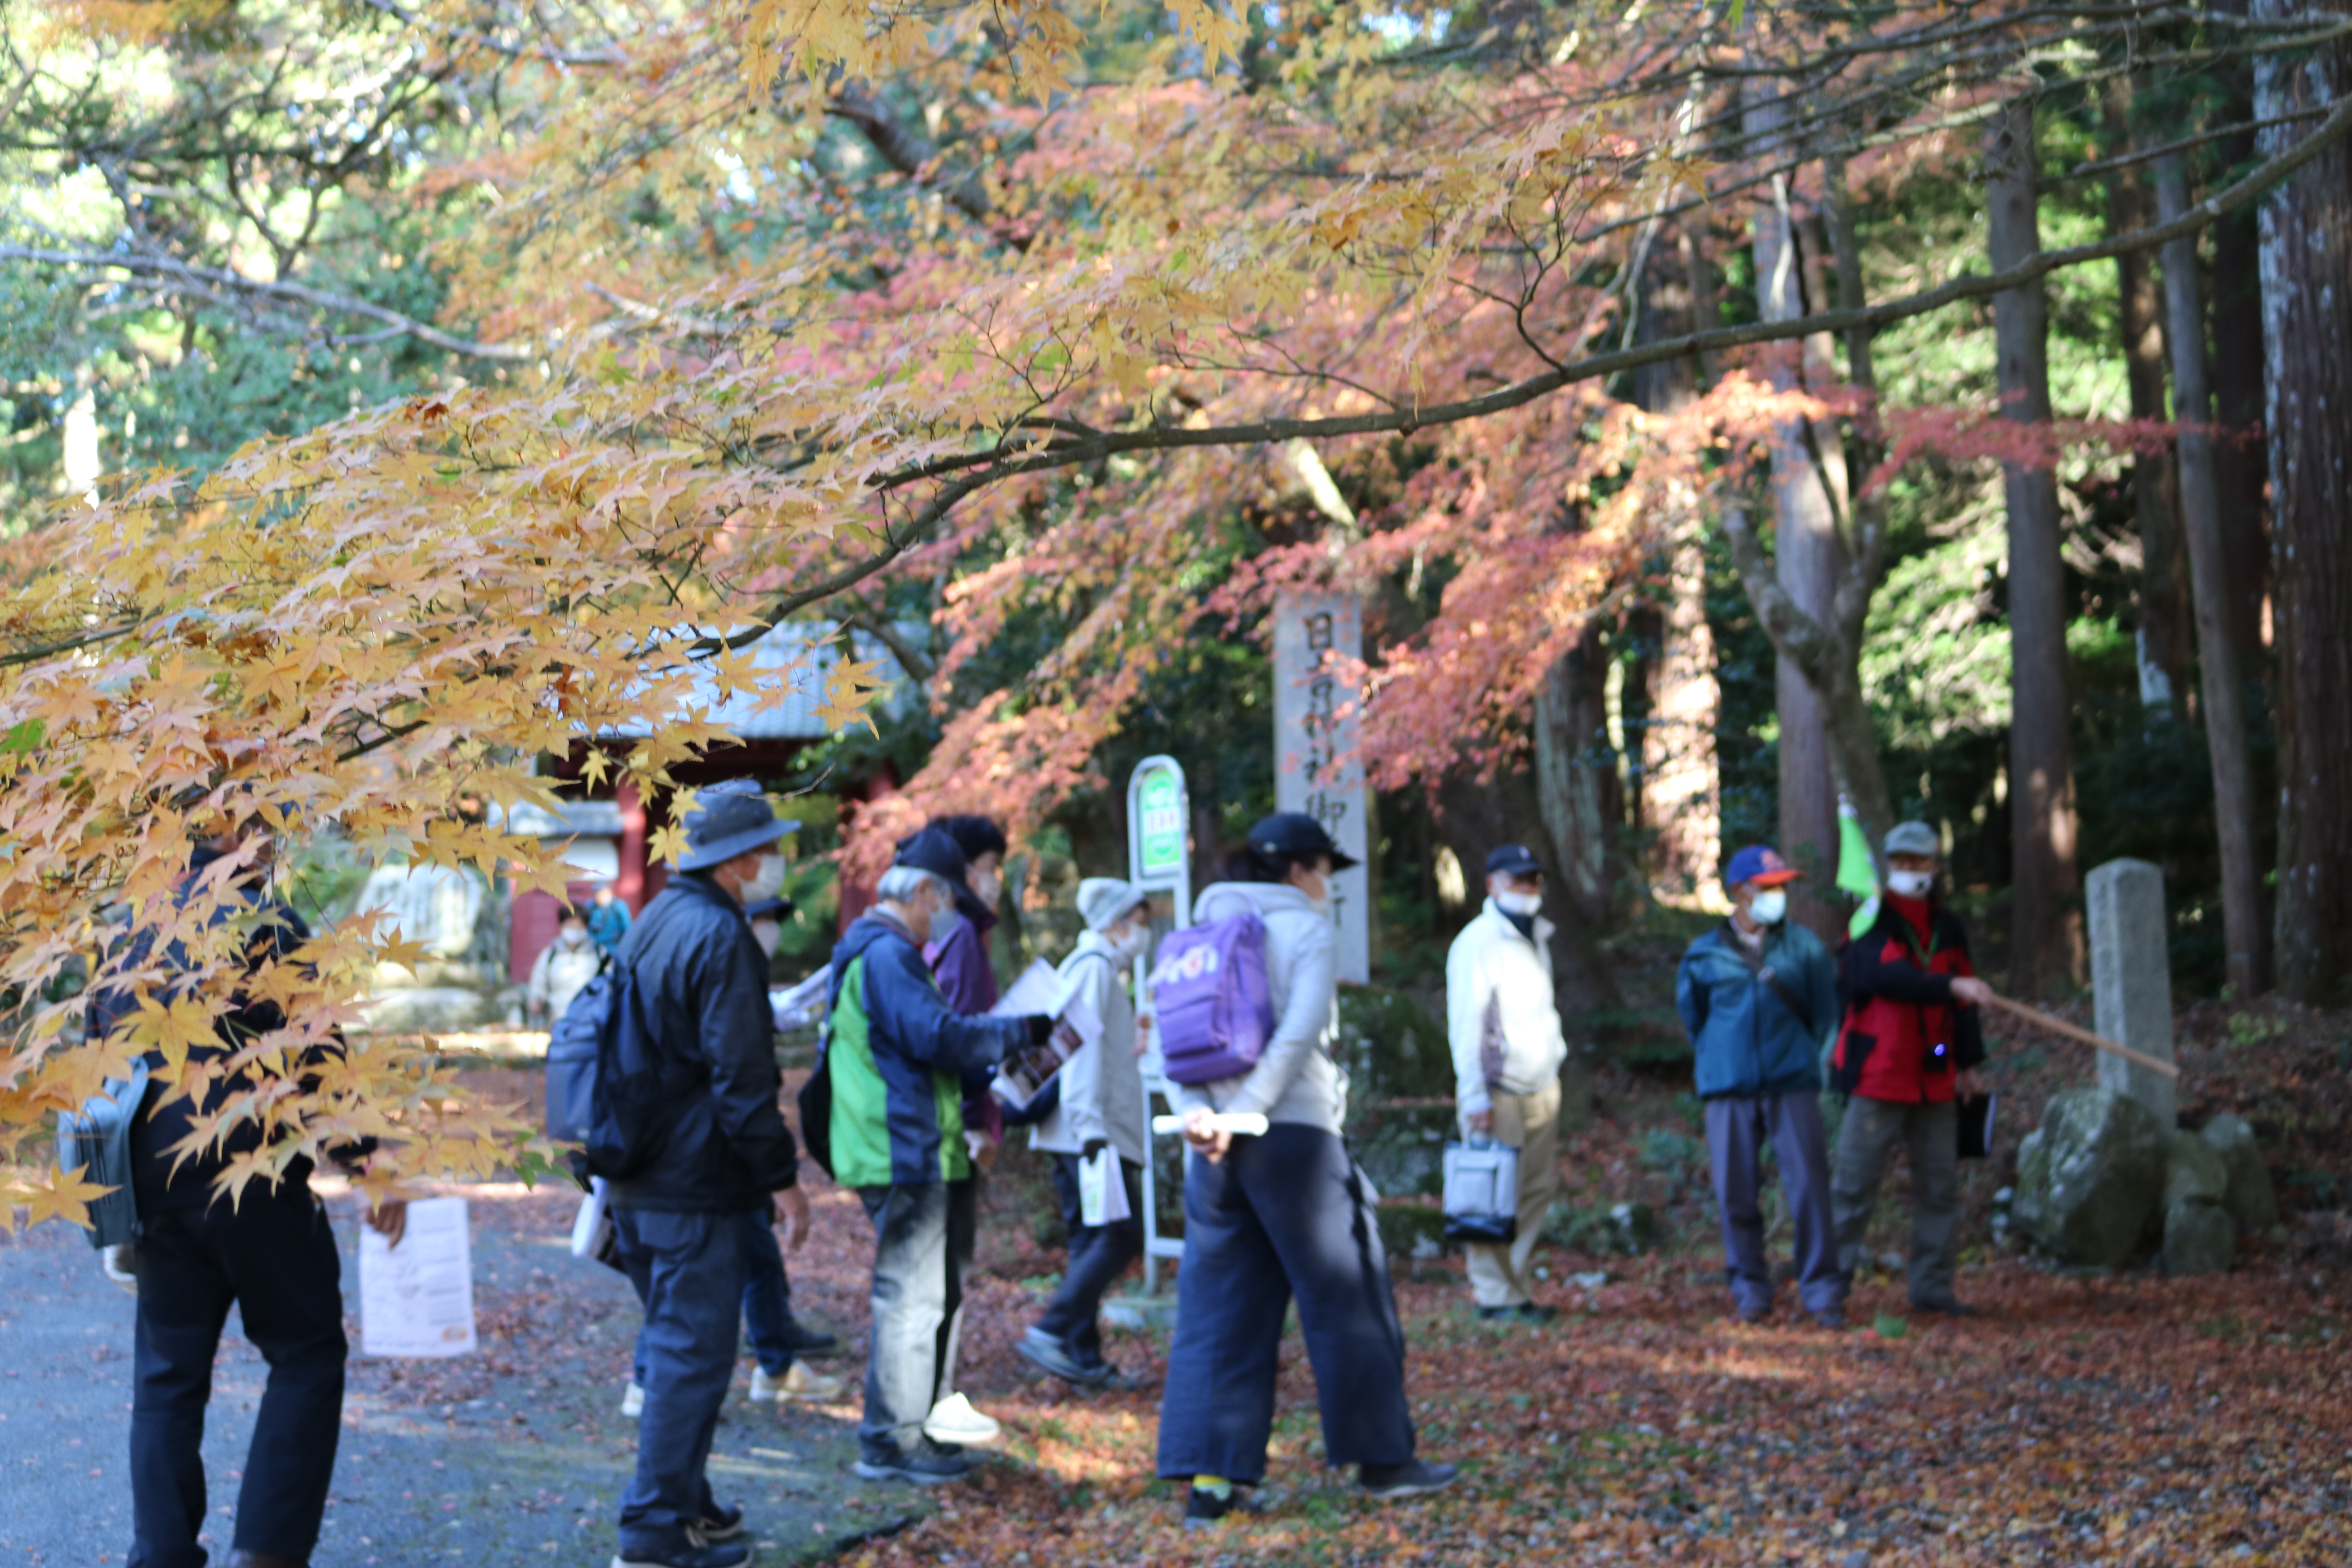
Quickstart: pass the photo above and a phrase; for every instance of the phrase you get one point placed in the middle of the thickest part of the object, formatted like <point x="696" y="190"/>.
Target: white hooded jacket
<point x="1500" y="1014"/>
<point x="1102" y="1086"/>
<point x="1295" y="1081"/>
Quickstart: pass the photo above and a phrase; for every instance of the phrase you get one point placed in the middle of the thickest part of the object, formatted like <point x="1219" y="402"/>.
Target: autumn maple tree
<point x="708" y="386"/>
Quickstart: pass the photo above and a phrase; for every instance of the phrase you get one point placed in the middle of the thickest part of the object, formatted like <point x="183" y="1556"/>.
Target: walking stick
<point x="2043" y="1020"/>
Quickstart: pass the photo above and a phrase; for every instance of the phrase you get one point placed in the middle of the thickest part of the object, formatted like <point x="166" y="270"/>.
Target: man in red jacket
<point x="1910" y="1044"/>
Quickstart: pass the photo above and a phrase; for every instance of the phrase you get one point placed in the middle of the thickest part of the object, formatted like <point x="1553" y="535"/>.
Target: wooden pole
<point x="2042" y="1020"/>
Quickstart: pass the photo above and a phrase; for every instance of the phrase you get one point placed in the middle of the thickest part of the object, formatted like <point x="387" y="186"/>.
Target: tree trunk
<point x="1578" y="792"/>
<point x="1680" y="783"/>
<point x="2241" y="464"/>
<point x="2225" y="684"/>
<point x="1474" y="815"/>
<point x="2045" y="931"/>
<point x="2164" y="613"/>
<point x="1806" y="553"/>
<point x="2307" y="262"/>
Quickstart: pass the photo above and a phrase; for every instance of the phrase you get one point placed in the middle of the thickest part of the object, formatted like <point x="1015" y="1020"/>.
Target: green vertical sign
<point x="1162" y="832"/>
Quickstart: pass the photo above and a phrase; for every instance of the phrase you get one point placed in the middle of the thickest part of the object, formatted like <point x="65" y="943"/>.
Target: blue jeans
<point x="1098" y="1255"/>
<point x="767" y="1295"/>
<point x="914" y="1268"/>
<point x="693" y="1267"/>
<point x="1285" y="1215"/>
<point x="273" y="1255"/>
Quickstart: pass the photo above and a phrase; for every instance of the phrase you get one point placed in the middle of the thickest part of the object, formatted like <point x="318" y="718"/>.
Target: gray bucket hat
<point x="1107" y="901"/>
<point x="729" y="819"/>
<point x="1914" y="838"/>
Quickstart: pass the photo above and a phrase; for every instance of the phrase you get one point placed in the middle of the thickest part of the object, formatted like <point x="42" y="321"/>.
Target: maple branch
<point x="610" y="54"/>
<point x="912" y="155"/>
<point x="1165" y="438"/>
<point x="214" y="282"/>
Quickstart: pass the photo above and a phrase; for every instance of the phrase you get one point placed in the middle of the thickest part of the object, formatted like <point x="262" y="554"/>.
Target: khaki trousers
<point x="1529" y="1124"/>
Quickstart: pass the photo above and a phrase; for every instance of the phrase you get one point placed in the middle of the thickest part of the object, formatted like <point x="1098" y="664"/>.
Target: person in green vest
<point x="897" y="1054"/>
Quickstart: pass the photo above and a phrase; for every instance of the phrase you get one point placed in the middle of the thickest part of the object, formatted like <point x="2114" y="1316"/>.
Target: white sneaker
<point x="633" y="1402"/>
<point x="798" y="1382"/>
<point x="953" y="1420"/>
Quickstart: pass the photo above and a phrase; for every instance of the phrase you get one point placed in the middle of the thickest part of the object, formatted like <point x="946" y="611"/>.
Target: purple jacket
<point x="959" y="961"/>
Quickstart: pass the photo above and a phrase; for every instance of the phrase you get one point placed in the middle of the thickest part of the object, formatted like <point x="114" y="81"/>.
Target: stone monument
<point x="2131" y="980"/>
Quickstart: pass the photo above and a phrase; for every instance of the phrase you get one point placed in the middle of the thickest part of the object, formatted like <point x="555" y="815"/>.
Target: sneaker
<point x="1045" y="1351"/>
<point x="953" y="1420"/>
<point x="1110" y="1379"/>
<point x="925" y="1467"/>
<point x="802" y="1340"/>
<point x="724" y="1524"/>
<point x="1753" y="1315"/>
<point x="798" y="1382"/>
<point x="633" y="1402"/>
<point x="1830" y="1317"/>
<point x="1206" y="1510"/>
<point x="699" y="1551"/>
<point x="1383" y="1483"/>
<point x="1536" y="1312"/>
<point x="1497" y="1314"/>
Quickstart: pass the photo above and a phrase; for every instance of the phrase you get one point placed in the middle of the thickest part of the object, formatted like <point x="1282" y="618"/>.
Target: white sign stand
<point x="1159" y="811"/>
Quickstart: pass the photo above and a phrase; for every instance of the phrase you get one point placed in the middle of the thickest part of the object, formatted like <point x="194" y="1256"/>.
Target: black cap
<point x="769" y="909"/>
<point x="1514" y="860"/>
<point x="1296" y="833"/>
<point x="933" y="851"/>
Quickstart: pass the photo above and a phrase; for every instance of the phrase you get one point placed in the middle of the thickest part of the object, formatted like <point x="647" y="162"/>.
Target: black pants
<point x="274" y="1255"/>
<point x="1285" y="1214"/>
<point x="1098" y="1256"/>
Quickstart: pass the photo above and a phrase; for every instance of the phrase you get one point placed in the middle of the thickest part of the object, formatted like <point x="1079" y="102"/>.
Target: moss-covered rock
<point x="2251" y="1199"/>
<point x="2090" y="1176"/>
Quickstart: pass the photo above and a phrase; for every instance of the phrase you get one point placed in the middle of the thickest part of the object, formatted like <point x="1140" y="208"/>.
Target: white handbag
<point x="1482" y="1192"/>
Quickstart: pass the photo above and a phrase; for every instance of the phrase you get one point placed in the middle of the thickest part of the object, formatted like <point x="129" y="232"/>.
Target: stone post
<point x="2131" y="980"/>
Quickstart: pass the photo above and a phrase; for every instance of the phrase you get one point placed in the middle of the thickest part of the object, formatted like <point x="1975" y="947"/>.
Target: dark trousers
<point x="767" y="1294"/>
<point x="1285" y="1214"/>
<point x="693" y="1265"/>
<point x="915" y="1277"/>
<point x="1737" y="1130"/>
<point x="274" y="1255"/>
<point x="1098" y="1255"/>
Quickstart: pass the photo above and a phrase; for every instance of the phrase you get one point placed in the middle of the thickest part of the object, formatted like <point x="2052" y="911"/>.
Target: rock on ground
<point x="2251" y="1199"/>
<point x="2193" y="1173"/>
<point x="2198" y="1238"/>
<point x="2089" y="1177"/>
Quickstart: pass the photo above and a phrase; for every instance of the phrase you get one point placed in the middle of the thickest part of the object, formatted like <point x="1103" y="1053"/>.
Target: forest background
<point x="1644" y="370"/>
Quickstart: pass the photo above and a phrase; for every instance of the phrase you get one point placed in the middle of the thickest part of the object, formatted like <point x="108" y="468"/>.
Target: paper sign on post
<point x="417" y="1299"/>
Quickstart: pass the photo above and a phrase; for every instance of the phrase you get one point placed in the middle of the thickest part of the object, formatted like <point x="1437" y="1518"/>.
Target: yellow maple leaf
<point x="851" y="686"/>
<point x="667" y="843"/>
<point x="65" y="1196"/>
<point x="172" y="1029"/>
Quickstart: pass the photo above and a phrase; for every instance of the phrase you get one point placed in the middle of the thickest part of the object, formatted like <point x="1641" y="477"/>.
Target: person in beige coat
<point x="1504" y="1026"/>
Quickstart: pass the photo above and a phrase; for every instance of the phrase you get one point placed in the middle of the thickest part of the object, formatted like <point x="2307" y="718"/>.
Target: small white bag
<point x="1482" y="1192"/>
<point x="1102" y="1190"/>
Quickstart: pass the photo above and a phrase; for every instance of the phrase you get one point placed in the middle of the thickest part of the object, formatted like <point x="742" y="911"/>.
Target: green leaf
<point x="1891" y="1328"/>
<point x="21" y="738"/>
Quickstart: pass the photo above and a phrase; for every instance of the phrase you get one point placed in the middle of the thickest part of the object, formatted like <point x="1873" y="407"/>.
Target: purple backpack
<point x="1209" y="991"/>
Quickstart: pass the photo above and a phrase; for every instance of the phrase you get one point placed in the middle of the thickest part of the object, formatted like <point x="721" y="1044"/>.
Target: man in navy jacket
<point x="1759" y="995"/>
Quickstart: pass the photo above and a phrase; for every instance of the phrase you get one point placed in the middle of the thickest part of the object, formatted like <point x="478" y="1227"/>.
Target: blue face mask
<point x="1768" y="906"/>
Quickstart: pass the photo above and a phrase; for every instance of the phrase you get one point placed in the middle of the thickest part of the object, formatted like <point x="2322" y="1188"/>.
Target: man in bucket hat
<point x="726" y="1154"/>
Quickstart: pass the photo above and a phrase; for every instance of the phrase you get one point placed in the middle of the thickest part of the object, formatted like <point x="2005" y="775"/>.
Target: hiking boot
<point x="698" y="1552"/>
<point x="802" y="1340"/>
<point x="1110" y="1379"/>
<point x="925" y="1467"/>
<point x="1383" y="1483"/>
<point x="1206" y="1510"/>
<point x="241" y="1558"/>
<point x="798" y="1382"/>
<point x="1042" y="1350"/>
<point x="1831" y="1317"/>
<point x="953" y="1420"/>
<point x="1537" y="1313"/>
<point x="1497" y="1314"/>
<point x="633" y="1402"/>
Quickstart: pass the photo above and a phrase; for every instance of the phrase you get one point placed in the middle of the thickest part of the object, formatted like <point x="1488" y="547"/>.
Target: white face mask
<point x="1768" y="906"/>
<point x="572" y="936"/>
<point x="767" y="933"/>
<point x="1132" y="941"/>
<point x="1520" y="904"/>
<point x="988" y="889"/>
<point x="766" y="882"/>
<point x="1910" y="884"/>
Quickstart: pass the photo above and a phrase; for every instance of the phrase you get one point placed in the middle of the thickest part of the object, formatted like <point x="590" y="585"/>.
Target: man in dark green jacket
<point x="895" y="1054"/>
<point x="1758" y="995"/>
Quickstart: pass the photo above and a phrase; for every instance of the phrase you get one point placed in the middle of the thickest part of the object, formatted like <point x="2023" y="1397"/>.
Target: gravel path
<point x="513" y="1455"/>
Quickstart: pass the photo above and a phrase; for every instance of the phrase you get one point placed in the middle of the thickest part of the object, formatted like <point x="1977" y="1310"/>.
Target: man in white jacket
<point x="1103" y="1108"/>
<point x="1507" y="1048"/>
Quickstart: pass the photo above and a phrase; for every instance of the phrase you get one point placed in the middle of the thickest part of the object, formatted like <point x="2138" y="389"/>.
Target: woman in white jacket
<point x="1102" y="1108"/>
<point x="1285" y="1215"/>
